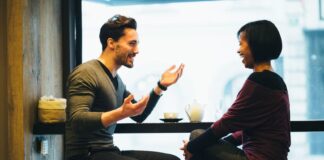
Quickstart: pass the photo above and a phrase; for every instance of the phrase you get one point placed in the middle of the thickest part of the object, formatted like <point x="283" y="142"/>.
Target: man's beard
<point x="124" y="61"/>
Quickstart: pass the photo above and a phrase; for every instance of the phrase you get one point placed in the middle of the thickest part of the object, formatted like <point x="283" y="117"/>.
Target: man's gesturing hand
<point x="129" y="109"/>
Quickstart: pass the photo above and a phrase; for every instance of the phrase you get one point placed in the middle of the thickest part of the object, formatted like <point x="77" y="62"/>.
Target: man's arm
<point x="153" y="99"/>
<point x="127" y="109"/>
<point x="81" y="94"/>
<point x="168" y="78"/>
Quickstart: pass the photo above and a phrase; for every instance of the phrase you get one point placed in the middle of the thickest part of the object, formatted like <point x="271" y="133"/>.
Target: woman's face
<point x="245" y="52"/>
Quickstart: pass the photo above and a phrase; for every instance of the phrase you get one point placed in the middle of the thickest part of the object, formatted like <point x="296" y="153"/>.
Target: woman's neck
<point x="262" y="66"/>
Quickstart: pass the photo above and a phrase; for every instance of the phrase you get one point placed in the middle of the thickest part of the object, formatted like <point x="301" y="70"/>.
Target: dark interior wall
<point x="3" y="88"/>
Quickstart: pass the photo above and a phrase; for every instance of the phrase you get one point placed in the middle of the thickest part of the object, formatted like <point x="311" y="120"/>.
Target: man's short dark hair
<point x="114" y="28"/>
<point x="263" y="39"/>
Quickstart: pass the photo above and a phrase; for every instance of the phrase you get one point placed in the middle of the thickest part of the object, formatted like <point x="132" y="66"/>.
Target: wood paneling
<point x="31" y="53"/>
<point x="31" y="63"/>
<point x="42" y="68"/>
<point x="15" y="79"/>
<point x="3" y="83"/>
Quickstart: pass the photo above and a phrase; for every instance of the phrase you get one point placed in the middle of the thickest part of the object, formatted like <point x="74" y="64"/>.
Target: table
<point x="183" y="127"/>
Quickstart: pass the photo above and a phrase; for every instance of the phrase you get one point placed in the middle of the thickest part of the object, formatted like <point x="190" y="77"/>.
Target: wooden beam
<point x="3" y="82"/>
<point x="15" y="79"/>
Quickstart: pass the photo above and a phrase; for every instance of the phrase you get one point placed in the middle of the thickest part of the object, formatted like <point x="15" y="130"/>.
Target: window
<point x="202" y="35"/>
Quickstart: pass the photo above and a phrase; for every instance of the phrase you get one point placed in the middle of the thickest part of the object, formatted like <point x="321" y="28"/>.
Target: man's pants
<point x="220" y="150"/>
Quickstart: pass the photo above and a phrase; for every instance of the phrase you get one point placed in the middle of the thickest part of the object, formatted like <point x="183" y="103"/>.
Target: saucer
<point x="171" y="119"/>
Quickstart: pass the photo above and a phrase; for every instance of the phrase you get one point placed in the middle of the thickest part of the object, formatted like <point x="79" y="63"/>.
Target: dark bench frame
<point x="59" y="128"/>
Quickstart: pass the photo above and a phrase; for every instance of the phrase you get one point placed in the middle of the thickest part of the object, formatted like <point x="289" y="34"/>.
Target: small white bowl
<point x="170" y="115"/>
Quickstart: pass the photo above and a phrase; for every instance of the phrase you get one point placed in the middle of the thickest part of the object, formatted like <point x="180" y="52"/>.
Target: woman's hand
<point x="187" y="155"/>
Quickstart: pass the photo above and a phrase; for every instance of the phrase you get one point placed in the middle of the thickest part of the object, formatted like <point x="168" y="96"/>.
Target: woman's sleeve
<point x="234" y="138"/>
<point x="253" y="106"/>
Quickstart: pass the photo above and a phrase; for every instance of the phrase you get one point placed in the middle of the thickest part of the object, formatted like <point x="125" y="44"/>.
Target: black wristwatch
<point x="163" y="88"/>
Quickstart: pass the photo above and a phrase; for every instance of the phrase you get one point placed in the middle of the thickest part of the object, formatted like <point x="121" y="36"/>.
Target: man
<point x="97" y="97"/>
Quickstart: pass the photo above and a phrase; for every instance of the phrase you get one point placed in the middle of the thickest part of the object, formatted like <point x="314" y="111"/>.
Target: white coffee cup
<point x="170" y="115"/>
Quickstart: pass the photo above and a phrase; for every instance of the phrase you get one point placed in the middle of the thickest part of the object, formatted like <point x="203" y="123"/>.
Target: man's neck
<point x="108" y="61"/>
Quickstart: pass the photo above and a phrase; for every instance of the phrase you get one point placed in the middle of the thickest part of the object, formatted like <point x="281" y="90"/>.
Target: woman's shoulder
<point x="268" y="79"/>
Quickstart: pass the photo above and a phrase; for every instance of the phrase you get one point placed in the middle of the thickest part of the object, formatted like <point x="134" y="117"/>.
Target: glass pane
<point x="202" y="35"/>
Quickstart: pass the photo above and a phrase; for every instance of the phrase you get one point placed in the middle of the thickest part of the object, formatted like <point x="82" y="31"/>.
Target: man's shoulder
<point x="87" y="69"/>
<point x="89" y="66"/>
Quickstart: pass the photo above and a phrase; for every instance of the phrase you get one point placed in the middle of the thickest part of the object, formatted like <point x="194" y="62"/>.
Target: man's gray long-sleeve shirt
<point x="90" y="92"/>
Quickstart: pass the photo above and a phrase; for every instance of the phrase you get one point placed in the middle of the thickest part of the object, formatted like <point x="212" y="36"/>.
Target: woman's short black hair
<point x="114" y="28"/>
<point x="263" y="39"/>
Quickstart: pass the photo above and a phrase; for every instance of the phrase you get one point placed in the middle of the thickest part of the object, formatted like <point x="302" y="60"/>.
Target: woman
<point x="259" y="118"/>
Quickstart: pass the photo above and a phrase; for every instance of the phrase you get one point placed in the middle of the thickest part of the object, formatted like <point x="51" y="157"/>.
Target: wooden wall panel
<point x="3" y="83"/>
<point x="51" y="57"/>
<point x="15" y="79"/>
<point x="31" y="63"/>
<point x="42" y="68"/>
<point x="51" y="47"/>
<point x="31" y="53"/>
